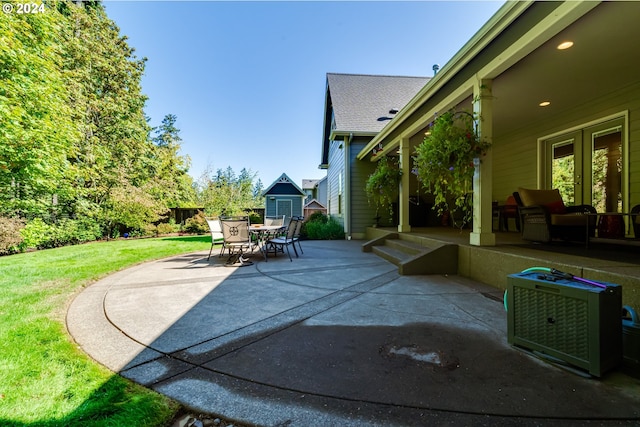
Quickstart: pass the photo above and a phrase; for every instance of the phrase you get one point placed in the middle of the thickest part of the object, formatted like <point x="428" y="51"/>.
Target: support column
<point x="482" y="234"/>
<point x="403" y="202"/>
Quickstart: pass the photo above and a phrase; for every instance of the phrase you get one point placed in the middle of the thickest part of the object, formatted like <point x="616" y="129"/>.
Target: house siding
<point x="296" y="204"/>
<point x="335" y="180"/>
<point x="362" y="215"/>
<point x="322" y="192"/>
<point x="513" y="154"/>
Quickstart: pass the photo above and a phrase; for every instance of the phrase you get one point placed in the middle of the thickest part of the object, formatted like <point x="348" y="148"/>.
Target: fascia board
<point x="498" y="22"/>
<point x="335" y="134"/>
<point x="547" y="28"/>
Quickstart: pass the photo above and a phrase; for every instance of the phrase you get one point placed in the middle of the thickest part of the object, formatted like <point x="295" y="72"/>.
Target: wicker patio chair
<point x="543" y="216"/>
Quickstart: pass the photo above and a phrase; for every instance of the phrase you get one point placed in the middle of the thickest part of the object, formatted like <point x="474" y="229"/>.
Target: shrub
<point x="197" y="224"/>
<point x="318" y="216"/>
<point x="10" y="237"/>
<point x="254" y="218"/>
<point x="150" y="230"/>
<point x="37" y="234"/>
<point x="329" y="230"/>
<point x="165" y="228"/>
<point x="40" y="235"/>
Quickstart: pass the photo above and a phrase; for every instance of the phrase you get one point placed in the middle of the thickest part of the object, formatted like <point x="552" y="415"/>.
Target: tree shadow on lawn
<point x="113" y="403"/>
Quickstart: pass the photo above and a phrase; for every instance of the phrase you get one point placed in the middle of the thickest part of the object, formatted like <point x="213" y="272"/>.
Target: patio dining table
<point x="262" y="233"/>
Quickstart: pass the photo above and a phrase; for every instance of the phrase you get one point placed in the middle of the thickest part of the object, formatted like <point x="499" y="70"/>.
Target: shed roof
<point x="314" y="204"/>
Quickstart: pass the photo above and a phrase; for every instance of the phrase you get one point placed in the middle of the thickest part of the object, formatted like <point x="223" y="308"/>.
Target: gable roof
<point x="314" y="204"/>
<point x="309" y="184"/>
<point x="362" y="103"/>
<point x="283" y="185"/>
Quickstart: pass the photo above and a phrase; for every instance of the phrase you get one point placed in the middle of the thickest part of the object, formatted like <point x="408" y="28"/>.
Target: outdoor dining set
<point x="239" y="238"/>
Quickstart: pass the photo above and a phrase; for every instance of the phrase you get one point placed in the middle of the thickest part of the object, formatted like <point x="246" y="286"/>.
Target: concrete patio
<point x="335" y="337"/>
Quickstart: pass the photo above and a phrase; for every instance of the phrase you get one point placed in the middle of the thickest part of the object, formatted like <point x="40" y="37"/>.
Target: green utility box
<point x="575" y="322"/>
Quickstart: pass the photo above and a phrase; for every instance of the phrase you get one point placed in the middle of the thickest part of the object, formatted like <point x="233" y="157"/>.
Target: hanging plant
<point x="445" y="161"/>
<point x="382" y="185"/>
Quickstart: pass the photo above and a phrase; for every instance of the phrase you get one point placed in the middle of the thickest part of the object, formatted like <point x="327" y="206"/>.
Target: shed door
<point x="284" y="207"/>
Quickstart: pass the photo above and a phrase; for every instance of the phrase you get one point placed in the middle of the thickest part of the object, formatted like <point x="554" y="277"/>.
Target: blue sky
<point x="246" y="80"/>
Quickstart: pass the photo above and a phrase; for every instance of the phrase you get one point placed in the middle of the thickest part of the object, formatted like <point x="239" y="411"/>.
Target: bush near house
<point x="321" y="227"/>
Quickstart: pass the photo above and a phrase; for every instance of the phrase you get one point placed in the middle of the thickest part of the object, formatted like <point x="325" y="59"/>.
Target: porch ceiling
<point x="604" y="59"/>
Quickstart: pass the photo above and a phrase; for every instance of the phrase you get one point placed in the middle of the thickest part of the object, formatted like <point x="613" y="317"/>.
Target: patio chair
<point x="296" y="235"/>
<point x="216" y="235"/>
<point x="279" y="243"/>
<point x="237" y="239"/>
<point x="544" y="216"/>
<point x="274" y="220"/>
<point x="510" y="210"/>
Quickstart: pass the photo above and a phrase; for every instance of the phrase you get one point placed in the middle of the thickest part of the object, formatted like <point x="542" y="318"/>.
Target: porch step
<point x="415" y="256"/>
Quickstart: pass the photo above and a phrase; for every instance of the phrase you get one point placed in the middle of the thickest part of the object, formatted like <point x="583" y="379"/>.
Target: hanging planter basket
<point x="445" y="162"/>
<point x="382" y="185"/>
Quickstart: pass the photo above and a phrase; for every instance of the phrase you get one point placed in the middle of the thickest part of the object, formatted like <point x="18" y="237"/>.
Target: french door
<point x="588" y="166"/>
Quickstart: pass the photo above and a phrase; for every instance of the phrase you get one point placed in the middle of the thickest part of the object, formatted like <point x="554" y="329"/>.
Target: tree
<point x="227" y="194"/>
<point x="171" y="183"/>
<point x="36" y="128"/>
<point x="74" y="140"/>
<point x="104" y="79"/>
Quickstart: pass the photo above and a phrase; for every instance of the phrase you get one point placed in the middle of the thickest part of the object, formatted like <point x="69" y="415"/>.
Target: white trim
<point x="622" y="115"/>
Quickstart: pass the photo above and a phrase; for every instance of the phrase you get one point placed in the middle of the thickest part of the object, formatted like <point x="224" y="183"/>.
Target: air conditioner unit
<point x="578" y="323"/>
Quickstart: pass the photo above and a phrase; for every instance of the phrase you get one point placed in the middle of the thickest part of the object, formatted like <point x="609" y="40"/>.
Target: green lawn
<point x="44" y="379"/>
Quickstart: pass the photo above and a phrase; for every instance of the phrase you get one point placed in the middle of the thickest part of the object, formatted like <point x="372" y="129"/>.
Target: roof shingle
<point x="361" y="103"/>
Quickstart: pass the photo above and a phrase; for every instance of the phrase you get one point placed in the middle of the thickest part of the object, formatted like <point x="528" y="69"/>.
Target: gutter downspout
<point x="347" y="186"/>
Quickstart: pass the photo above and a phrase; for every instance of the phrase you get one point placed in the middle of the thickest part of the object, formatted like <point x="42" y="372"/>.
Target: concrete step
<point x="408" y="247"/>
<point x="415" y="256"/>
<point x="391" y="254"/>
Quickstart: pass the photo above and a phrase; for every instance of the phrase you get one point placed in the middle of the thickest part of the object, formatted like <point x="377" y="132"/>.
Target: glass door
<point x="564" y="166"/>
<point x="606" y="167"/>
<point x="587" y="166"/>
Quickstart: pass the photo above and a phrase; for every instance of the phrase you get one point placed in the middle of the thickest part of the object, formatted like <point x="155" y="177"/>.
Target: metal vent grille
<point x="554" y="321"/>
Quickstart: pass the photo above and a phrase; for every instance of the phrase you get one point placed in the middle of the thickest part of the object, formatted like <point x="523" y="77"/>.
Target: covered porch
<point x="532" y="94"/>
<point x="492" y="264"/>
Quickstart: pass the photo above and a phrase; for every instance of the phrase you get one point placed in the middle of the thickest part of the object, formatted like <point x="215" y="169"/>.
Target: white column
<point x="403" y="203"/>
<point x="482" y="234"/>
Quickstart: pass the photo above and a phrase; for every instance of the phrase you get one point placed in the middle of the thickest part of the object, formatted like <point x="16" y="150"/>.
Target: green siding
<point x="362" y="215"/>
<point x="514" y="155"/>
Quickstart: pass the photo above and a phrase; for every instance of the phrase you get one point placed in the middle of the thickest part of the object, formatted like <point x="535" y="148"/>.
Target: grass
<point x="45" y="380"/>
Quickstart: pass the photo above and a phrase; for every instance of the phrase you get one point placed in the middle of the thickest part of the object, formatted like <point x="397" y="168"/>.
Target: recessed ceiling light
<point x="544" y="103"/>
<point x="565" y="45"/>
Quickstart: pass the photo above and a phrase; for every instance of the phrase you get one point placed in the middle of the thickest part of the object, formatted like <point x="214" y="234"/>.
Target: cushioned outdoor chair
<point x="544" y="216"/>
